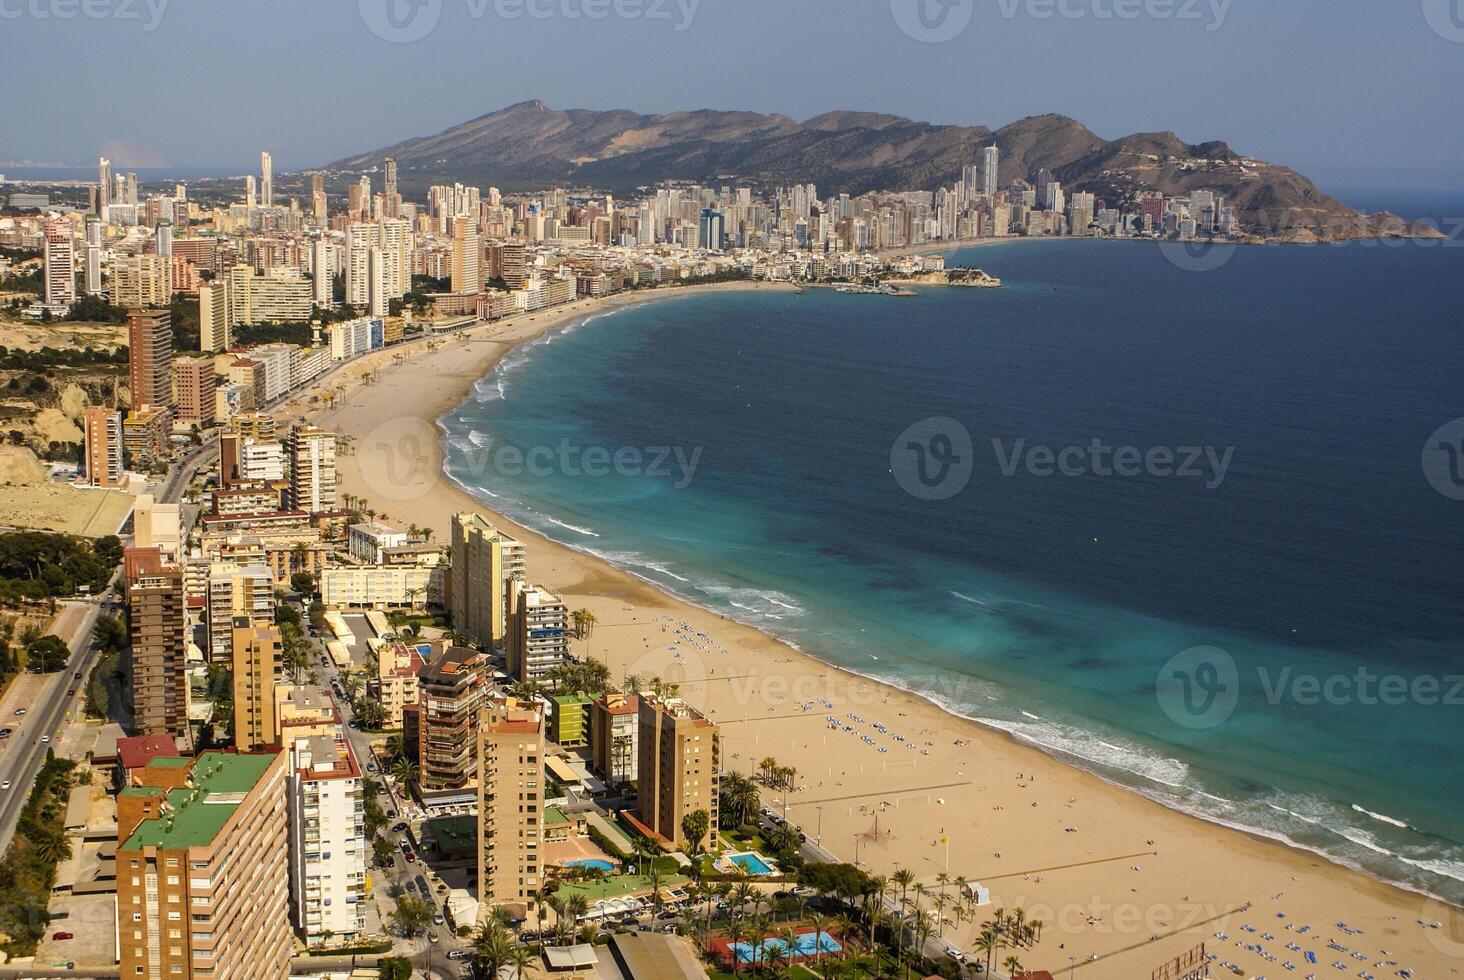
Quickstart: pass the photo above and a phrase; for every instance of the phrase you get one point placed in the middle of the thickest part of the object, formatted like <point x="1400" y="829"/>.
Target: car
<point x="629" y="920"/>
<point x="400" y="828"/>
<point x="405" y="847"/>
<point x="5" y="785"/>
<point x="391" y="814"/>
<point x="668" y="929"/>
<point x="432" y="937"/>
<point x="411" y="885"/>
<point x="76" y="676"/>
<point x="422" y="885"/>
<point x="45" y="739"/>
<point x="666" y="916"/>
<point x="6" y="732"/>
<point x="438" y="920"/>
<point x="19" y="712"/>
<point x="372" y="767"/>
<point x="71" y="692"/>
<point x="61" y="937"/>
<point x="456" y="954"/>
<point x="411" y="857"/>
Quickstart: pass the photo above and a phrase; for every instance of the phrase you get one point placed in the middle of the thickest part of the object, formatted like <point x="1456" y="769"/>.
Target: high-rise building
<point x="195" y="383"/>
<point x="322" y="268"/>
<point x="102" y="431"/>
<point x="266" y="183"/>
<point x="150" y="357"/>
<point x="213" y="316"/>
<point x="679" y="768"/>
<point x="157" y="672"/>
<point x="451" y="691"/>
<point x="258" y="660"/>
<point x="511" y="796"/>
<point x="235" y="590"/>
<point x="251" y="200"/>
<point x="711" y="229"/>
<point x="484" y="562"/>
<point x="328" y="894"/>
<point x="538" y="631"/>
<point x="393" y="202"/>
<point x="467" y="257"/>
<point x="203" y="873"/>
<point x="614" y="730"/>
<point x="312" y="469"/>
<point x="361" y="239"/>
<point x="990" y="160"/>
<point x="142" y="281"/>
<point x="60" y="255"/>
<point x="104" y="185"/>
<point x="92" y="265"/>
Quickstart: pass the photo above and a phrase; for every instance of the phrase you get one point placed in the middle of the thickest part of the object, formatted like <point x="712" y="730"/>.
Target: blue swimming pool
<point x="751" y="863"/>
<point x="772" y="949"/>
<point x="598" y="863"/>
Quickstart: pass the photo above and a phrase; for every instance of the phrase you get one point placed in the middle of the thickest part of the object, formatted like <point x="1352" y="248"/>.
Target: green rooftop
<point x="554" y="816"/>
<point x="197" y="814"/>
<point x="169" y="761"/>
<point x="570" y="699"/>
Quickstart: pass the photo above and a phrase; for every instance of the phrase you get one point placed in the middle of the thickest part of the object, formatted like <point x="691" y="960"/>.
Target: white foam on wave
<point x="1383" y="817"/>
<point x="479" y="439"/>
<point x="1443" y="868"/>
<point x="571" y="527"/>
<point x="973" y="601"/>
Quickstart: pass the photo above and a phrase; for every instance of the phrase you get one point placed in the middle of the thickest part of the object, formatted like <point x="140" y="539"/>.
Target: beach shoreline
<point x="1128" y="869"/>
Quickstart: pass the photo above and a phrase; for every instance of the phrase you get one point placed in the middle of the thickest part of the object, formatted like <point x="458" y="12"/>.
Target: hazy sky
<point x="1352" y="92"/>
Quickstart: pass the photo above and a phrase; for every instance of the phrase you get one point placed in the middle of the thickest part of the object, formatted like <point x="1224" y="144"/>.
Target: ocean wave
<point x="1381" y="816"/>
<point x="571" y="527"/>
<point x="1443" y="868"/>
<point x="479" y="439"/>
<point x="966" y="598"/>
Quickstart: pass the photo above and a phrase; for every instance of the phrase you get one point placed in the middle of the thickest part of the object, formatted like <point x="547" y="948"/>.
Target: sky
<point x="1354" y="93"/>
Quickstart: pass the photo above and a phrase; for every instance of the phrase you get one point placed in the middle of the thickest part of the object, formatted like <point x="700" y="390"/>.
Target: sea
<point x="1188" y="519"/>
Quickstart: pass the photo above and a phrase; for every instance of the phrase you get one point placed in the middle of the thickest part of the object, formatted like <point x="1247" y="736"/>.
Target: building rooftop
<point x="196" y="815"/>
<point x="134" y="753"/>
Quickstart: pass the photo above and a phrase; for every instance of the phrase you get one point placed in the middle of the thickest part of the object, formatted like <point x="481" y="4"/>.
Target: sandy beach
<point x="1121" y="884"/>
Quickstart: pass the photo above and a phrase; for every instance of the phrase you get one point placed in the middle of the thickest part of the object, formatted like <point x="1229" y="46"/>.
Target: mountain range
<point x="532" y="145"/>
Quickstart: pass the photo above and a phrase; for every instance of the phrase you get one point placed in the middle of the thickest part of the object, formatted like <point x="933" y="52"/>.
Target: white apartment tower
<point x="327" y="838"/>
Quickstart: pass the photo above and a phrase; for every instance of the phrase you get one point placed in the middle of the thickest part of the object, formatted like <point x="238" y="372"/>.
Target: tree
<point x="52" y="843"/>
<point x="47" y="654"/>
<point x="411" y="915"/>
<point x="395" y="968"/>
<point x="303" y="583"/>
<point x="695" y="826"/>
<point x="382" y="853"/>
<point x="492" y="948"/>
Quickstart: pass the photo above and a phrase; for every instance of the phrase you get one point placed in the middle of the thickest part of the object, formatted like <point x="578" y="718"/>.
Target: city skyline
<point x="1114" y="73"/>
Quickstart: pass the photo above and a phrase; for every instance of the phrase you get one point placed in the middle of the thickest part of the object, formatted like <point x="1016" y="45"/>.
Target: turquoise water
<point x="751" y="863"/>
<point x="597" y="863"/>
<point x="1308" y="547"/>
<point x="772" y="949"/>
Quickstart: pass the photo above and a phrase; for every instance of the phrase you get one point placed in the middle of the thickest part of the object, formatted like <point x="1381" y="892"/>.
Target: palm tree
<point x="902" y="877"/>
<point x="818" y="922"/>
<point x="404" y="770"/>
<point x="52" y="844"/>
<point x="767" y="766"/>
<point x="492" y="948"/>
<point x="922" y="927"/>
<point x="988" y="942"/>
<point x="1013" y="966"/>
<point x="519" y="958"/>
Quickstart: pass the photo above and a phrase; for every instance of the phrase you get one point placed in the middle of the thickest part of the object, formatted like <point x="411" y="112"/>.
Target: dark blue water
<point x="1269" y="637"/>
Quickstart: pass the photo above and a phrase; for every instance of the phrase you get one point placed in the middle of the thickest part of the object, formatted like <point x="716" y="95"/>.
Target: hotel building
<point x="614" y="731"/>
<point x="680" y="764"/>
<point x="157" y="627"/>
<point x="150" y="357"/>
<point x="235" y="590"/>
<point x="102" y="430"/>
<point x="312" y="469"/>
<point x="451" y="689"/>
<point x="327" y="838"/>
<point x="484" y="562"/>
<point x="258" y="659"/>
<point x="538" y="634"/>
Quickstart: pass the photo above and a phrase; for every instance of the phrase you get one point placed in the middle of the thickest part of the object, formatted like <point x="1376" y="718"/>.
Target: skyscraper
<point x="679" y="768"/>
<point x="312" y="469"/>
<point x="158" y="662"/>
<point x="258" y="659"/>
<point x="511" y="794"/>
<point x="393" y="201"/>
<point x="484" y="562"/>
<point x="93" y="256"/>
<point x="711" y="229"/>
<point x="266" y="183"/>
<point x="327" y="838"/>
<point x="102" y="430"/>
<point x="104" y="185"/>
<point x="150" y="357"/>
<point x="60" y="265"/>
<point x="451" y="691"/>
<point x="467" y="257"/>
<point x="322" y="267"/>
<point x="990" y="158"/>
<point x="214" y="317"/>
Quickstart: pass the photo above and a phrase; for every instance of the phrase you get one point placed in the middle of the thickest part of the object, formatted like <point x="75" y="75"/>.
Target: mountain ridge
<point x="531" y="145"/>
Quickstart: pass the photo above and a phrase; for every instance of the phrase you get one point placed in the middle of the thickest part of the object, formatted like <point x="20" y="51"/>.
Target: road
<point x="25" y="751"/>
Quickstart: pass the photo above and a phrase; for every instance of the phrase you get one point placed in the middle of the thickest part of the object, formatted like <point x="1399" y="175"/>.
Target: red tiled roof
<point x="138" y="751"/>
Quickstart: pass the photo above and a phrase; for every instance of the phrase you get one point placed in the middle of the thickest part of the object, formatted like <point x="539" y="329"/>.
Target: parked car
<point x="456" y="954"/>
<point x="438" y="920"/>
<point x="400" y="828"/>
<point x="411" y="858"/>
<point x="76" y="676"/>
<point x="71" y="692"/>
<point x="5" y="785"/>
<point x="61" y="937"/>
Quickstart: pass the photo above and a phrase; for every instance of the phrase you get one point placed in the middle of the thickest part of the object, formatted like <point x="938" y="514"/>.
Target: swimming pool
<point x="770" y="950"/>
<point x="751" y="863"/>
<point x="599" y="864"/>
